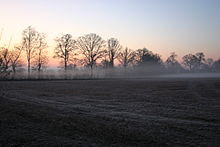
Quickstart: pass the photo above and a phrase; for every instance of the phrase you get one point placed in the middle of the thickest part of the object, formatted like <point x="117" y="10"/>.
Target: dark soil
<point x="130" y="112"/>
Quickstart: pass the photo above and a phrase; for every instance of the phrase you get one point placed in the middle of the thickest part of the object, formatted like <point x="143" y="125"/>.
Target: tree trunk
<point x="14" y="71"/>
<point x="65" y="66"/>
<point x="39" y="71"/>
<point x="29" y="68"/>
<point x="112" y="63"/>
<point x="65" y="60"/>
<point x="91" y="71"/>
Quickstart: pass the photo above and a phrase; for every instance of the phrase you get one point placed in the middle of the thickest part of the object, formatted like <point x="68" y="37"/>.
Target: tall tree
<point x="171" y="60"/>
<point x="209" y="62"/>
<point x="126" y="57"/>
<point x="32" y="41"/>
<point x="201" y="59"/>
<point x="113" y="50"/>
<point x="146" y="57"/>
<point x="172" y="63"/>
<point x="15" y="58"/>
<point x="4" y="62"/>
<point x="64" y="49"/>
<point x="92" y="48"/>
<point x="41" y="59"/>
<point x="190" y="61"/>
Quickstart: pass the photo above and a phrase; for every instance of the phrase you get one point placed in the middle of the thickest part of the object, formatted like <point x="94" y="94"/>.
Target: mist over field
<point x="117" y="73"/>
<point x="110" y="73"/>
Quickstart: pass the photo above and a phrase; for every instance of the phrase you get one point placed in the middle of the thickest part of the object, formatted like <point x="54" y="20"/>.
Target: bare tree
<point x="126" y="57"/>
<point x="15" y="58"/>
<point x="171" y="60"/>
<point x="65" y="46"/>
<point x="4" y="62"/>
<point x="209" y="62"/>
<point x="40" y="59"/>
<point x="201" y="59"/>
<point x="190" y="61"/>
<point x="32" y="41"/>
<point x="172" y="63"/>
<point x="92" y="47"/>
<point x="113" y="50"/>
<point x="147" y="57"/>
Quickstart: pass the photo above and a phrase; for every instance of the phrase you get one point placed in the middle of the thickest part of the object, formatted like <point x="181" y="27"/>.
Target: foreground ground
<point x="110" y="113"/>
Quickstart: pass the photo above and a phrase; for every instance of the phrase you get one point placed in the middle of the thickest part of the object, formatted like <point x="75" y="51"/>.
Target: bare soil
<point x="120" y="112"/>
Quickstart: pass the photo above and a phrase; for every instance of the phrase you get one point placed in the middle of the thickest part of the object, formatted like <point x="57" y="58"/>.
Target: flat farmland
<point x="117" y="112"/>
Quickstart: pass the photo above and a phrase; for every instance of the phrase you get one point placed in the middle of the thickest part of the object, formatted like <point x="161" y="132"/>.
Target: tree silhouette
<point x="4" y="62"/>
<point x="209" y="62"/>
<point x="172" y="63"/>
<point x="113" y="50"/>
<point x="201" y="59"/>
<point x="41" y="59"/>
<point x="92" y="48"/>
<point x="146" y="57"/>
<point x="190" y="61"/>
<point x="64" y="49"/>
<point x="32" y="41"/>
<point x="126" y="57"/>
<point x="15" y="58"/>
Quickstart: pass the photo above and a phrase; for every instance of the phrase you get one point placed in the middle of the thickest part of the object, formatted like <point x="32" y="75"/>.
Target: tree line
<point x="91" y="51"/>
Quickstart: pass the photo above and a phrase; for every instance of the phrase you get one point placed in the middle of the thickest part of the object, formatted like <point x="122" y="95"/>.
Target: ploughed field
<point x="119" y="112"/>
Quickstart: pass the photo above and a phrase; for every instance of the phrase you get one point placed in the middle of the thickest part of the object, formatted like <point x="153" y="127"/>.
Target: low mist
<point x="109" y="73"/>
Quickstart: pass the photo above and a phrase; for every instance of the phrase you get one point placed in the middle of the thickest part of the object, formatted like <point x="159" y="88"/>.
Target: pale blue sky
<point x="163" y="26"/>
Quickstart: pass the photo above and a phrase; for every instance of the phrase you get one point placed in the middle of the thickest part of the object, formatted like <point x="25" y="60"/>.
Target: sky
<point x="162" y="26"/>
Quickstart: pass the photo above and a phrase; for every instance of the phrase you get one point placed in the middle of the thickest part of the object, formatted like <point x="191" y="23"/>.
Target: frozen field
<point x="132" y="112"/>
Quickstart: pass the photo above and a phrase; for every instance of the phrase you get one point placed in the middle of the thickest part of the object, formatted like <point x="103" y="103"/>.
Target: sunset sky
<point x="163" y="26"/>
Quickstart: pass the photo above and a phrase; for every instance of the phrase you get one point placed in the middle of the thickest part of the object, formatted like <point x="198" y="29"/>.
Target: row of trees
<point x="91" y="51"/>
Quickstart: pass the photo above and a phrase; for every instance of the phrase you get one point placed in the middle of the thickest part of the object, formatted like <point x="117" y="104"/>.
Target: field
<point x="117" y="112"/>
